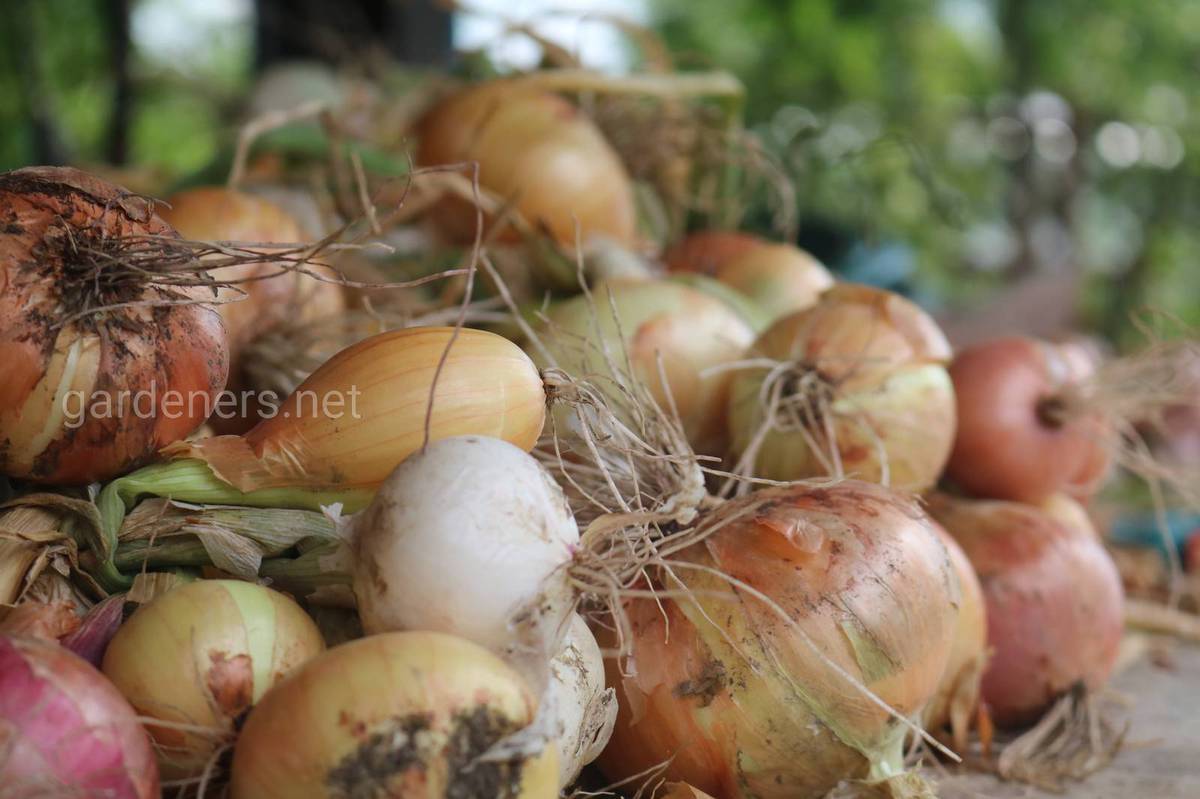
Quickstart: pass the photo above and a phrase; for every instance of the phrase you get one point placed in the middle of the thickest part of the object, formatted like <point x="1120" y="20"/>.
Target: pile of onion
<point x="1021" y="435"/>
<point x="195" y="659"/>
<point x="101" y="326"/>
<point x="399" y="714"/>
<point x="64" y="729"/>
<point x="856" y="385"/>
<point x="1053" y="595"/>
<point x="768" y="664"/>
<point x="536" y="151"/>
<point x="671" y="337"/>
<point x="779" y="278"/>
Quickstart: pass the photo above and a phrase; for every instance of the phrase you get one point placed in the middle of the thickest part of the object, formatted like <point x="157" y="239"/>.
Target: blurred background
<point x="1012" y="164"/>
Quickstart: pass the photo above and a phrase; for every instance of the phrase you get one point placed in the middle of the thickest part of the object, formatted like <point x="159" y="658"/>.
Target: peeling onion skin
<point x="860" y="569"/>
<point x="64" y="729"/>
<point x="1004" y="448"/>
<point x="884" y="361"/>
<point x="151" y="350"/>
<point x="203" y="654"/>
<point x="1054" y="599"/>
<point x="536" y="150"/>
<point x="586" y="710"/>
<point x="399" y="715"/>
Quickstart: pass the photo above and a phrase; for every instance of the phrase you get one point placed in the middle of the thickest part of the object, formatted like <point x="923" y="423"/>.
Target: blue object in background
<point x="1141" y="530"/>
<point x="887" y="264"/>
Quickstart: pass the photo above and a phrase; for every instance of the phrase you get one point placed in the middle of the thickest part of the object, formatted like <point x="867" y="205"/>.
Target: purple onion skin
<point x="100" y="624"/>
<point x="65" y="730"/>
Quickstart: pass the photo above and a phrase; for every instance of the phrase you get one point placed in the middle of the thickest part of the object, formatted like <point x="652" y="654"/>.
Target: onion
<point x="311" y="453"/>
<point x="197" y="657"/>
<point x="537" y="151"/>
<point x="705" y="251"/>
<point x="404" y="715"/>
<point x="647" y="321"/>
<point x="743" y="681"/>
<point x="483" y="516"/>
<point x="91" y="314"/>
<point x="854" y="386"/>
<point x="957" y="697"/>
<point x="1016" y="439"/>
<point x="585" y="710"/>
<point x="758" y="319"/>
<point x="65" y="731"/>
<point x="1054" y="602"/>
<point x="779" y="278"/>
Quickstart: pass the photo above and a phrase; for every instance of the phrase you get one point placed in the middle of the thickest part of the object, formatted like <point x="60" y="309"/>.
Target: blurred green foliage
<point x="998" y="140"/>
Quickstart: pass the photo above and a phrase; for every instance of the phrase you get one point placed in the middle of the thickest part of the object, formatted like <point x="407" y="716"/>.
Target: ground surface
<point x="1162" y="759"/>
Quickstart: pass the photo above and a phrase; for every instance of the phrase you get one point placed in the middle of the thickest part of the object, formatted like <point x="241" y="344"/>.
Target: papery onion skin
<point x="202" y="654"/>
<point x="536" y="150"/>
<point x="1010" y="443"/>
<point x="860" y="570"/>
<point x="470" y="536"/>
<point x="400" y="715"/>
<point x="1054" y="602"/>
<point x="64" y="729"/>
<point x="881" y="358"/>
<point x="487" y="386"/>
<point x="957" y="697"/>
<point x="47" y="216"/>
<point x="705" y="251"/>
<point x="691" y="331"/>
<point x="221" y="214"/>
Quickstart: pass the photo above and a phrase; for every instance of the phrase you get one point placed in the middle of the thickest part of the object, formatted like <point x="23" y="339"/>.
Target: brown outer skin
<point x="180" y="347"/>
<point x="1054" y="602"/>
<point x="706" y="251"/>
<point x="851" y="558"/>
<point x="537" y="151"/>
<point x="1003" y="450"/>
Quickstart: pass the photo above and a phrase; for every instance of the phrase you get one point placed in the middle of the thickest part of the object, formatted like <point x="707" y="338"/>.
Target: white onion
<point x="585" y="710"/>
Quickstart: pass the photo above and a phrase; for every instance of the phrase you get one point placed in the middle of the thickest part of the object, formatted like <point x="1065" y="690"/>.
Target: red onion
<point x="65" y="731"/>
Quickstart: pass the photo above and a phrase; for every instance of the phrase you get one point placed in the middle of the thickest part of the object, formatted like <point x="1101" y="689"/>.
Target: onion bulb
<point x="749" y="675"/>
<point x="405" y="715"/>
<point x="272" y="294"/>
<point x="856" y="386"/>
<point x="536" y="151"/>
<point x="1054" y="602"/>
<point x="957" y="696"/>
<point x="484" y="517"/>
<point x="100" y="328"/>
<point x="195" y="659"/>
<point x="706" y="251"/>
<point x="648" y="321"/>
<point x="585" y="710"/>
<point x="64" y="729"/>
<point x="1016" y="438"/>
<point x="780" y="278"/>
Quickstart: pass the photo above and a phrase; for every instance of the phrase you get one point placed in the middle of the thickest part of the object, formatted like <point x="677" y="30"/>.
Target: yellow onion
<point x="195" y="659"/>
<point x="706" y="251"/>
<point x="780" y="278"/>
<point x="338" y="436"/>
<point x="856" y="385"/>
<point x="957" y="696"/>
<point x="648" y="321"/>
<point x="1054" y="601"/>
<point x="537" y="151"/>
<point x="218" y="213"/>
<point x="100" y="326"/>
<point x="403" y="715"/>
<point x="739" y="678"/>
